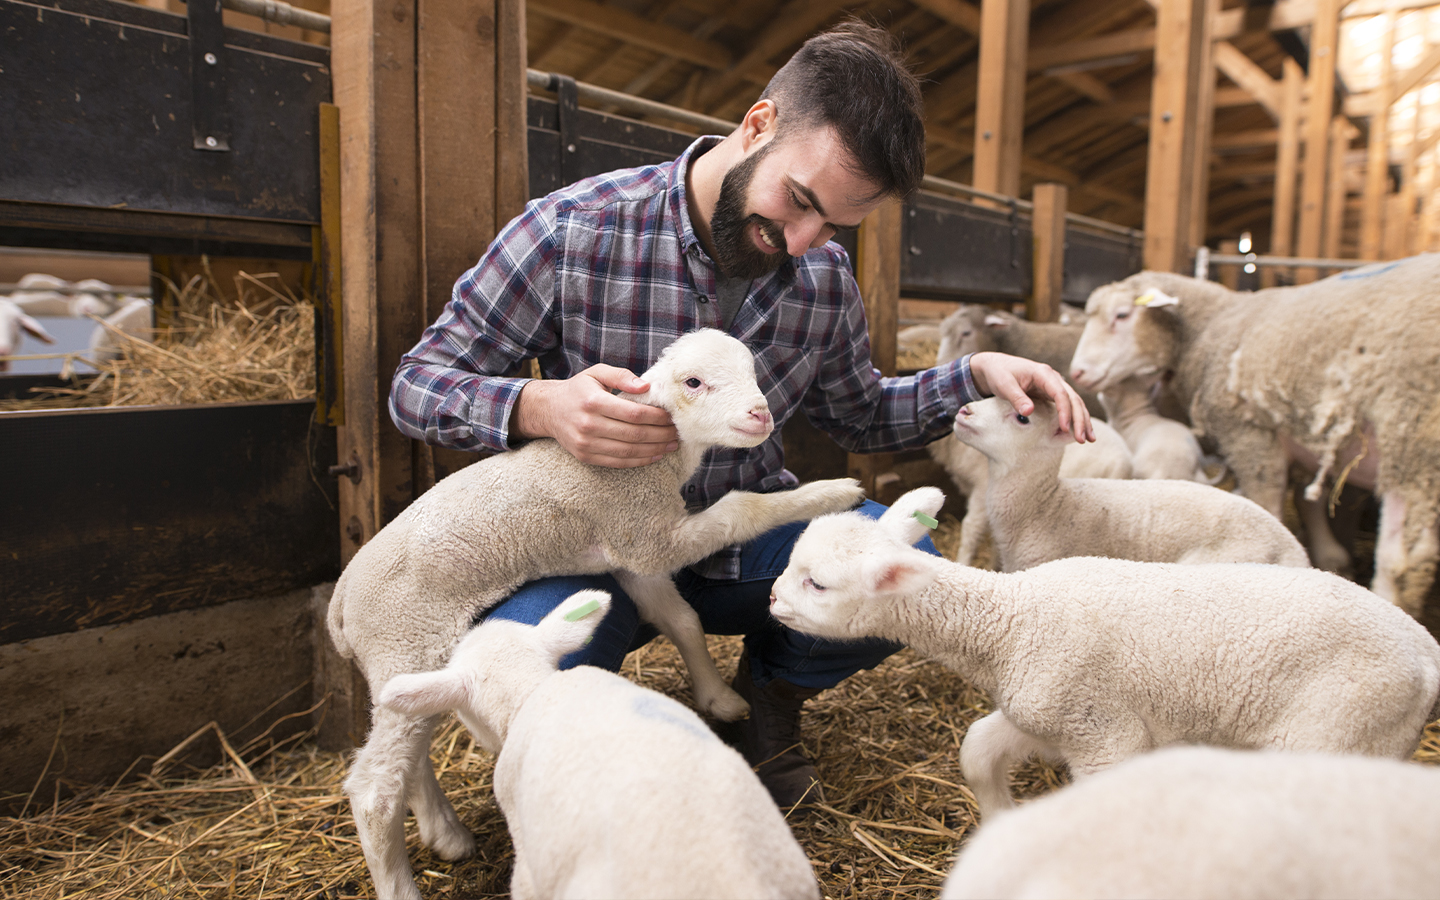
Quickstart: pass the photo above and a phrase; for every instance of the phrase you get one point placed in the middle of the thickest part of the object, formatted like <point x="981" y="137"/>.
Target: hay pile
<point x="257" y="344"/>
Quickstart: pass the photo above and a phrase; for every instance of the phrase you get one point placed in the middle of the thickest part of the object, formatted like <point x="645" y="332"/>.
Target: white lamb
<point x="608" y="789"/>
<point x="411" y="593"/>
<point x="47" y="295"/>
<point x="1036" y="515"/>
<point x="15" y="323"/>
<point x="1341" y="372"/>
<point x="1089" y="661"/>
<point x="1162" y="447"/>
<point x="135" y="319"/>
<point x="1210" y="824"/>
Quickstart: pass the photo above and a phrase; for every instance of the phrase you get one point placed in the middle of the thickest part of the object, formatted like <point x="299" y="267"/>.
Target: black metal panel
<point x="139" y="231"/>
<point x="111" y="515"/>
<point x="1094" y="258"/>
<point x="96" y="100"/>
<point x="951" y="248"/>
<point x="605" y="143"/>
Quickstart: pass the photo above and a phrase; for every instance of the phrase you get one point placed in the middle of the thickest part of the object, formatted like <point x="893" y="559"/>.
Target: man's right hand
<point x="590" y="422"/>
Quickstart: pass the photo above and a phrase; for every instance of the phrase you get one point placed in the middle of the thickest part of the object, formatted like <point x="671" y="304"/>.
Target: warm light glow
<point x="1245" y="247"/>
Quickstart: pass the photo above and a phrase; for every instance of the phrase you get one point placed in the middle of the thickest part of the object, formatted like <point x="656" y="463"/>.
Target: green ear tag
<point x="582" y="610"/>
<point x="925" y="520"/>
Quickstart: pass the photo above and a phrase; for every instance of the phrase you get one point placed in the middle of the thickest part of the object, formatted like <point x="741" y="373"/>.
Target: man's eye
<point x="693" y="383"/>
<point x="796" y="200"/>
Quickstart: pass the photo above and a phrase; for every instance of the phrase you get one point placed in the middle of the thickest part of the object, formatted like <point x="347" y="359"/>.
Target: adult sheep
<point x="974" y="328"/>
<point x="411" y="593"/>
<point x="1341" y="376"/>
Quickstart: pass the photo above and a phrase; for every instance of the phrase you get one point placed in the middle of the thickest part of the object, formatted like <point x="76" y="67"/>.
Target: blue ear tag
<point x="582" y="610"/>
<point x="925" y="520"/>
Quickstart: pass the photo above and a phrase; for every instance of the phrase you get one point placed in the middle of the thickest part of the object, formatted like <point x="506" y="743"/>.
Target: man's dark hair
<point x="853" y="79"/>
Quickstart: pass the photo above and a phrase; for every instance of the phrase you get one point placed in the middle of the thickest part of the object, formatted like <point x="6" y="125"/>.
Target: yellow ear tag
<point x="1145" y="298"/>
<point x="925" y="520"/>
<point x="582" y="610"/>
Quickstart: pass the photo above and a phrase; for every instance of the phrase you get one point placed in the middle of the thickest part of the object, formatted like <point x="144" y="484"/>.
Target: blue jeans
<point x="725" y="607"/>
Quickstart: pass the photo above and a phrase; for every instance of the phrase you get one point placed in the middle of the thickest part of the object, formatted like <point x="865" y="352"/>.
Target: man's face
<point x="788" y="196"/>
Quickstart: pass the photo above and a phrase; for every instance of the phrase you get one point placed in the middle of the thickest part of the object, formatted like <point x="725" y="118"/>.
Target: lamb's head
<point x="1131" y="328"/>
<point x="967" y="330"/>
<point x="1007" y="438"/>
<point x="847" y="569"/>
<point x="496" y="668"/>
<point x="706" y="381"/>
<point x="14" y="322"/>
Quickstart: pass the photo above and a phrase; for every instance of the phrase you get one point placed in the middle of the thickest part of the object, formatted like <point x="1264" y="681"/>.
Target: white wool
<point x="1161" y="446"/>
<point x="15" y="323"/>
<point x="1089" y="661"/>
<point x="1037" y="516"/>
<point x="411" y="593"/>
<point x="1212" y="824"/>
<point x="608" y="789"/>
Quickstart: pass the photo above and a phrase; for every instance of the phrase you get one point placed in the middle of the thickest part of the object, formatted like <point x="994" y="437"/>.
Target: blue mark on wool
<point x="1367" y="271"/>
<point x="661" y="709"/>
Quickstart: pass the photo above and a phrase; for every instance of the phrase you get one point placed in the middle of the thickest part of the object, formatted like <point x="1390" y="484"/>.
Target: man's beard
<point x="735" y="253"/>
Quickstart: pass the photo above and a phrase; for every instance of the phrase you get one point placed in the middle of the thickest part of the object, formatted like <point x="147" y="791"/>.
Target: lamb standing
<point x="1199" y="822"/>
<point x="402" y="603"/>
<point x="1089" y="661"/>
<point x="14" y="325"/>
<point x="1338" y="372"/>
<point x="1038" y="516"/>
<point x="608" y="789"/>
<point x="1162" y="447"/>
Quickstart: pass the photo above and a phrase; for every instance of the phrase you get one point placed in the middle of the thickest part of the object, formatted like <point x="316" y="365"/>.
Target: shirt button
<point x="701" y="298"/>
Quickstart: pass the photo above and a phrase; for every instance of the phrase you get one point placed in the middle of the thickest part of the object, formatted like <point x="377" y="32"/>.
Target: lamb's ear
<point x="424" y="693"/>
<point x="569" y="626"/>
<point x="1155" y="298"/>
<point x="994" y="321"/>
<point x="895" y="572"/>
<point x="913" y="515"/>
<point x="35" y="329"/>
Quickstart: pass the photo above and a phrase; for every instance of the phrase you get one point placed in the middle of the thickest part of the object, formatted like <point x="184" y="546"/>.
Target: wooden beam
<point x="1287" y="160"/>
<point x="1239" y="140"/>
<point x="798" y="20"/>
<point x="1000" y="98"/>
<point x="957" y="12"/>
<point x="1048" y="227"/>
<point x="1377" y="149"/>
<point x="1393" y="89"/>
<point x="1324" y="44"/>
<point x="1242" y="70"/>
<point x="1182" y="30"/>
<point x="615" y="22"/>
<point x="1118" y="43"/>
<point x="1341" y="133"/>
<point x="1204" y="119"/>
<point x="1087" y="85"/>
<point x="1250" y="18"/>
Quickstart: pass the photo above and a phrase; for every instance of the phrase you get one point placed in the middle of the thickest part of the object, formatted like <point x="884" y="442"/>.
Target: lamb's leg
<point x="440" y="828"/>
<point x="740" y="516"/>
<point x="991" y="746"/>
<point x="1405" y="550"/>
<point x="377" y="787"/>
<point x="662" y="606"/>
<point x="1325" y="551"/>
<point x="973" y="529"/>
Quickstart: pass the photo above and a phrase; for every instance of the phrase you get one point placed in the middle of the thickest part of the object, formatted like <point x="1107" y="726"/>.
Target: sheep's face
<point x="1130" y="329"/>
<point x="963" y="332"/>
<point x="706" y="381"/>
<point x="993" y="427"/>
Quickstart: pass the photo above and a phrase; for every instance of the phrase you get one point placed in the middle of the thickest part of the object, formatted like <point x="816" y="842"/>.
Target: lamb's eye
<point x="1023" y="420"/>
<point x="693" y="383"/>
<point x="817" y="588"/>
<point x="1122" y="314"/>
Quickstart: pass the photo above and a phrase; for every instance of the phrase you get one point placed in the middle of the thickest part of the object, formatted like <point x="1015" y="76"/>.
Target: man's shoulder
<point x="610" y="189"/>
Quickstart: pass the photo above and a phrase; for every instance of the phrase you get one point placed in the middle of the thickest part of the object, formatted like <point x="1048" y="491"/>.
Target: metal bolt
<point x="211" y="142"/>
<point x="210" y="59"/>
<point x="569" y="148"/>
<point x="1166" y="116"/>
<point x="350" y="470"/>
<point x="987" y="135"/>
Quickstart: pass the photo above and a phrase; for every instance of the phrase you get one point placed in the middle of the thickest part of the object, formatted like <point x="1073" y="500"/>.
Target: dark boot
<point x="771" y="738"/>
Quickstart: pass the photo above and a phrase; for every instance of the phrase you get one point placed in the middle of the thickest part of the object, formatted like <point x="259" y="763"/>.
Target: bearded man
<point x="594" y="280"/>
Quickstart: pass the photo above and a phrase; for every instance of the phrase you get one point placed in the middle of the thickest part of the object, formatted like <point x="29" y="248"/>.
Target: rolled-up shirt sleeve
<point x="458" y="386"/>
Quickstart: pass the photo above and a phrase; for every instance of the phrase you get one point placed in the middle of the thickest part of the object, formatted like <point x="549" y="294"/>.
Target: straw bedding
<point x="268" y="820"/>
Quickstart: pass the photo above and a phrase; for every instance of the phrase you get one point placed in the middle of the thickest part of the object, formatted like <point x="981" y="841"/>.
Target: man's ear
<point x="759" y="125"/>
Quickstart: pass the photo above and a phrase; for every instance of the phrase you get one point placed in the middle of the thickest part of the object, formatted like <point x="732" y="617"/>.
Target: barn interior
<point x="304" y="182"/>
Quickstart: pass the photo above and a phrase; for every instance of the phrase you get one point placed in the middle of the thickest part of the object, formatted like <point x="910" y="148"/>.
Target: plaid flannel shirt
<point x="609" y="270"/>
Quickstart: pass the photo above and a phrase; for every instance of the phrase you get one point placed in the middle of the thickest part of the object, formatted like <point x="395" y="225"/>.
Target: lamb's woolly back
<point x="1209" y="823"/>
<point x="1037" y="516"/>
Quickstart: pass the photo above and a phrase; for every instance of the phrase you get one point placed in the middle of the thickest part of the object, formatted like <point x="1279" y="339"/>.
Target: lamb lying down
<point x="1200" y="822"/>
<point x="411" y="593"/>
<point x="1089" y="661"/>
<point x="1037" y="516"/>
<point x="608" y="789"/>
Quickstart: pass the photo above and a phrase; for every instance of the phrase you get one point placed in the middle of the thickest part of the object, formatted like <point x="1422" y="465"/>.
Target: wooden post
<point x="1405" y="223"/>
<point x="877" y="270"/>
<point x="1229" y="272"/>
<point x="1000" y="100"/>
<point x="1377" y="149"/>
<point x="422" y="88"/>
<point x="1182" y="34"/>
<point x="1204" y="128"/>
<point x="1048" y="226"/>
<point x="1287" y="160"/>
<point x="1396" y="231"/>
<point x="1341" y="133"/>
<point x="1324" y="42"/>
